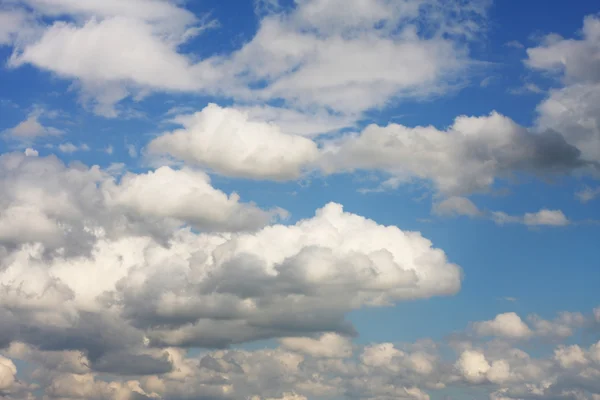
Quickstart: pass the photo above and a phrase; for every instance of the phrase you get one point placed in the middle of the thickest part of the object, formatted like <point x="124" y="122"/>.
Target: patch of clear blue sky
<point x="547" y="270"/>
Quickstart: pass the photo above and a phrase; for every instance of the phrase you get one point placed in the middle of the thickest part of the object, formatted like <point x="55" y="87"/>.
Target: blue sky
<point x="303" y="199"/>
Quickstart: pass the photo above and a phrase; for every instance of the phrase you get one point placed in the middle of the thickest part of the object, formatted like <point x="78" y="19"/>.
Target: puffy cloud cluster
<point x="119" y="267"/>
<point x="118" y="49"/>
<point x="507" y="325"/>
<point x="470" y="156"/>
<point x="113" y="49"/>
<point x="327" y="367"/>
<point x="43" y="201"/>
<point x="511" y="326"/>
<point x="226" y="141"/>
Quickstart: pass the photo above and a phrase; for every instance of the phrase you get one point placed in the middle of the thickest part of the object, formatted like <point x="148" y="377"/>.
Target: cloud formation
<point x="497" y="367"/>
<point x="572" y="110"/>
<point x="226" y="141"/>
<point x="294" y="57"/>
<point x="469" y="156"/>
<point x="31" y="128"/>
<point x="111" y="266"/>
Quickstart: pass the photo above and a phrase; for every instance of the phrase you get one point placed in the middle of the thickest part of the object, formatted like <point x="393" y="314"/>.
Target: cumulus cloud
<point x="572" y="110"/>
<point x="511" y="326"/>
<point x="31" y="128"/>
<point x="307" y="369"/>
<point x="65" y="50"/>
<point x="456" y="205"/>
<point x="543" y="217"/>
<point x="227" y="142"/>
<point x="470" y="156"/>
<point x="306" y="56"/>
<point x="473" y="366"/>
<point x="507" y="325"/>
<point x="123" y="36"/>
<point x="329" y="345"/>
<point x="190" y="197"/>
<point x="29" y="152"/>
<point x="44" y="201"/>
<point x="563" y="326"/>
<point x="108" y="267"/>
<point x="8" y="371"/>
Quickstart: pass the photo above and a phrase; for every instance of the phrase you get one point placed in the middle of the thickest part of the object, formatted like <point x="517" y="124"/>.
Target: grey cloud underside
<point x="487" y="357"/>
<point x="122" y="291"/>
<point x="106" y="281"/>
<point x="469" y="156"/>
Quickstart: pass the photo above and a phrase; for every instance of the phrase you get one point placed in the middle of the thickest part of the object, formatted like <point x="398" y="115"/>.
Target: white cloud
<point x="97" y="256"/>
<point x="563" y="326"/>
<point x="507" y="325"/>
<point x="185" y="195"/>
<point x="511" y="326"/>
<point x="11" y="22"/>
<point x="29" y="152"/>
<point x="132" y="151"/>
<point x="317" y="56"/>
<point x="546" y="218"/>
<point x="296" y="122"/>
<point x="375" y="371"/>
<point x="31" y="128"/>
<point x="588" y="194"/>
<point x="226" y="141"/>
<point x="469" y="156"/>
<point x="329" y="345"/>
<point x="165" y="14"/>
<point x="8" y="373"/>
<point x="473" y="366"/>
<point x="69" y="147"/>
<point x="456" y="206"/>
<point x="45" y="201"/>
<point x="543" y="217"/>
<point x="571" y="57"/>
<point x="572" y="110"/>
<point x="570" y="356"/>
<point x="106" y="56"/>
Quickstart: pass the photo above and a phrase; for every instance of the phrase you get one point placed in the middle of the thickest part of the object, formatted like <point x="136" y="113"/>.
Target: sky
<point x="299" y="199"/>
